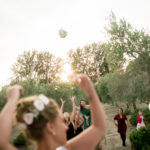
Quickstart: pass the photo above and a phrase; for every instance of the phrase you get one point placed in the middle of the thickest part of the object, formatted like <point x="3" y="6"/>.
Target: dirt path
<point x="112" y="136"/>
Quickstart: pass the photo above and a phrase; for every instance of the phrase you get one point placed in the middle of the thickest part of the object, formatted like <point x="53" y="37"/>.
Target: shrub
<point x="134" y="118"/>
<point x="146" y="114"/>
<point x="20" y="140"/>
<point x="127" y="111"/>
<point x="140" y="139"/>
<point x="146" y="147"/>
<point x="54" y="90"/>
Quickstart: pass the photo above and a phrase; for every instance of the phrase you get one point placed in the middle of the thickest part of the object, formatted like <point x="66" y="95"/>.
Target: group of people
<point x="43" y="121"/>
<point x="51" y="128"/>
<point x="79" y="120"/>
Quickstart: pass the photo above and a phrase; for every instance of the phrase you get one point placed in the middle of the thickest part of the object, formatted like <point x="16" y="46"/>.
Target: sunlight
<point x="64" y="76"/>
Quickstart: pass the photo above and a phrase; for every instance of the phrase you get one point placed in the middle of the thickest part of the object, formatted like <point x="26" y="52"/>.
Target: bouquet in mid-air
<point x="62" y="33"/>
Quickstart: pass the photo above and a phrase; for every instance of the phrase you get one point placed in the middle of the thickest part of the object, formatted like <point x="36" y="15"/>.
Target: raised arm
<point x="74" y="108"/>
<point x="81" y="120"/>
<point x="6" y="117"/>
<point x="88" y="139"/>
<point x="62" y="105"/>
<point x="86" y="118"/>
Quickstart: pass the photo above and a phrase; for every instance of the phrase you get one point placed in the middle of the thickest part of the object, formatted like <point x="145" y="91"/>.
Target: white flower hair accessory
<point x="28" y="118"/>
<point x="39" y="104"/>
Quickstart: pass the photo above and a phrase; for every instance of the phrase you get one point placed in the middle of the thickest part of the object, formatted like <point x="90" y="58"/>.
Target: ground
<point x="113" y="141"/>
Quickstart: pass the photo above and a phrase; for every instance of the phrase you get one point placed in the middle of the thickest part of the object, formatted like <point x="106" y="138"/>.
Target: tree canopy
<point x="40" y="66"/>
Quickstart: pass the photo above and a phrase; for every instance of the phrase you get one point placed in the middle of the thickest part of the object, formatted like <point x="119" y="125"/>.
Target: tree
<point x="55" y="90"/>
<point x="126" y="43"/>
<point x="40" y="66"/>
<point x="89" y="60"/>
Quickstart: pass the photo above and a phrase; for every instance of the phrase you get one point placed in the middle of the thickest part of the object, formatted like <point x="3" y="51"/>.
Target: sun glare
<point x="64" y="76"/>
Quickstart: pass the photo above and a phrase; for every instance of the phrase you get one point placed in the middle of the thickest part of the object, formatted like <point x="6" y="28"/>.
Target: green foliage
<point x="126" y="45"/>
<point x="89" y="60"/>
<point x="3" y="97"/>
<point x="146" y="114"/>
<point x="125" y="40"/>
<point x="140" y="139"/>
<point x="40" y="66"/>
<point x="103" y="90"/>
<point x="109" y="88"/>
<point x="137" y="81"/>
<point x="20" y="140"/>
<point x="134" y="118"/>
<point x="55" y="90"/>
<point x="146" y="147"/>
<point x="127" y="111"/>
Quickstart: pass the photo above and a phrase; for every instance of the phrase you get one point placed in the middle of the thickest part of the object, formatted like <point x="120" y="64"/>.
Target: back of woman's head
<point x="34" y="115"/>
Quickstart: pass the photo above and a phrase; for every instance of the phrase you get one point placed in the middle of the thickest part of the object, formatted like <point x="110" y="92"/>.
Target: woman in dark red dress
<point x="120" y="121"/>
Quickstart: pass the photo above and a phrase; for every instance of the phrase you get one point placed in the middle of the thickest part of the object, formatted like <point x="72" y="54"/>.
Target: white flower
<point x="39" y="104"/>
<point x="28" y="118"/>
<point x="61" y="148"/>
<point x="44" y="99"/>
<point x="22" y="126"/>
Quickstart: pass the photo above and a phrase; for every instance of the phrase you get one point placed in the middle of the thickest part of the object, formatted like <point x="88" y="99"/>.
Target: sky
<point x="34" y="24"/>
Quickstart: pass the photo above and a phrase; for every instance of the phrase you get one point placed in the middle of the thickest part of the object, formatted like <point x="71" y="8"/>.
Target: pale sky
<point x="34" y="24"/>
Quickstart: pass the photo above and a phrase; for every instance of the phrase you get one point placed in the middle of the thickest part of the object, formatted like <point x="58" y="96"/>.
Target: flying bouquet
<point x="62" y="33"/>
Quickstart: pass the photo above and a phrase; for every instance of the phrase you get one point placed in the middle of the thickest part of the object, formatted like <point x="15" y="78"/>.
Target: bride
<point x="43" y="122"/>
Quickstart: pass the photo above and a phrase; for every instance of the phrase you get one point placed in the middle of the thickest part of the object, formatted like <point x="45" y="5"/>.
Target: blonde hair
<point x="35" y="130"/>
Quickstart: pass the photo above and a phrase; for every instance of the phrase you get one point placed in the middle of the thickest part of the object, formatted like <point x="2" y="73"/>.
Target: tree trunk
<point x="134" y="104"/>
<point x="127" y="105"/>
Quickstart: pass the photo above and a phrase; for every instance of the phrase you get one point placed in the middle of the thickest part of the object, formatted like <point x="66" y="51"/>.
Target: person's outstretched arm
<point x="73" y="107"/>
<point x="87" y="122"/>
<point x="6" y="117"/>
<point x="89" y="138"/>
<point x="62" y="105"/>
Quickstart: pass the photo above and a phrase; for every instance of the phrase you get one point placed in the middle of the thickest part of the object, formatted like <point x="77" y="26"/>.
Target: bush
<point x="127" y="111"/>
<point x="54" y="90"/>
<point x="102" y="90"/>
<point x="146" y="114"/>
<point x="134" y="118"/>
<point x="3" y="96"/>
<point x="140" y="139"/>
<point x="20" y="140"/>
<point x="146" y="147"/>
